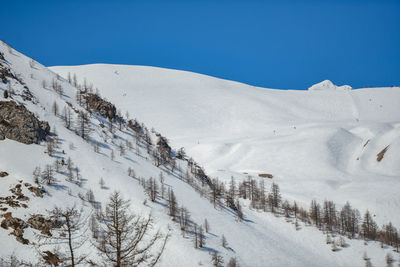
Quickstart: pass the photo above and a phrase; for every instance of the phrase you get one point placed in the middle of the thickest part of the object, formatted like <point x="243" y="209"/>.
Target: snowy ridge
<point x="328" y="85"/>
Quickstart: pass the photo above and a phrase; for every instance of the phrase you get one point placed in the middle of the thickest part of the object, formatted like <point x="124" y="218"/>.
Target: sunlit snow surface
<point x="314" y="142"/>
<point x="309" y="141"/>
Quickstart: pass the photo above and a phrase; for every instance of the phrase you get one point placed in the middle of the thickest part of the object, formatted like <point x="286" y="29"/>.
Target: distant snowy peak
<point x="328" y="86"/>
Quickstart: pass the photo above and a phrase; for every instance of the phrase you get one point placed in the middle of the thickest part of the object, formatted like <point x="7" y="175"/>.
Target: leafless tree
<point x="83" y="125"/>
<point x="162" y="180"/>
<point x="173" y="205"/>
<point x="206" y="225"/>
<point x="101" y="183"/>
<point x="69" y="233"/>
<point x="224" y="243"/>
<point x="232" y="263"/>
<point x="48" y="175"/>
<point x="184" y="218"/>
<point x="216" y="259"/>
<point x="36" y="175"/>
<point x="124" y="241"/>
<point x="55" y="108"/>
<point x="67" y="117"/>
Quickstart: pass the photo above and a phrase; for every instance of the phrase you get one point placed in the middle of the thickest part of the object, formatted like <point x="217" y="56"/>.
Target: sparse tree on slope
<point x="126" y="240"/>
<point x="72" y="225"/>
<point x="83" y="125"/>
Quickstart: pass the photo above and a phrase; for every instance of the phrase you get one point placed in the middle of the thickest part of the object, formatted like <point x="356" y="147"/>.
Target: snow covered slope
<point x="261" y="239"/>
<point x="321" y="143"/>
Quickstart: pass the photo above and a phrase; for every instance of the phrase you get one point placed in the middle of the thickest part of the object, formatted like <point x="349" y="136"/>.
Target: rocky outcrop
<point x="40" y="223"/>
<point x="36" y="190"/>
<point x="51" y="259"/>
<point x="266" y="175"/>
<point x="10" y="201"/>
<point x="381" y="154"/>
<point x="3" y="174"/>
<point x="104" y="108"/>
<point x="19" y="124"/>
<point x="17" y="191"/>
<point x="17" y="224"/>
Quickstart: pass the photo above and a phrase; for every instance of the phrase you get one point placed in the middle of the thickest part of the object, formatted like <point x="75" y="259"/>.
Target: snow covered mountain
<point x="320" y="144"/>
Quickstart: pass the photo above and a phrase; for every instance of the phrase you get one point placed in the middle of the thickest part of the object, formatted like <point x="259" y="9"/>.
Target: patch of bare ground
<point x="266" y="175"/>
<point x="381" y="154"/>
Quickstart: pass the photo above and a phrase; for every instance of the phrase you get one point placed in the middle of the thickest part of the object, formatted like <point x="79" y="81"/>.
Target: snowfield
<point x="321" y="143"/>
<point x="318" y="144"/>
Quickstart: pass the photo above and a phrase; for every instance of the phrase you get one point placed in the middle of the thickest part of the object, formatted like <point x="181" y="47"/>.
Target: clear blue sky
<point x="276" y="44"/>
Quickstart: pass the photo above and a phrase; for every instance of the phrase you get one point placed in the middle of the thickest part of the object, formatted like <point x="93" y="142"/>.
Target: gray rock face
<point x="19" y="124"/>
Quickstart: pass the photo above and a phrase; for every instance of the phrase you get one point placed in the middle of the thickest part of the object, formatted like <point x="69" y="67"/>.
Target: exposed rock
<point x="9" y="200"/>
<point x="3" y="174"/>
<point x="26" y="94"/>
<point x="17" y="191"/>
<point x="104" y="108"/>
<point x="40" y="223"/>
<point x="22" y="240"/>
<point x="5" y="72"/>
<point x="17" y="224"/>
<point x="36" y="190"/>
<point x="266" y="175"/>
<point x="381" y="154"/>
<point x="19" y="124"/>
<point x="51" y="258"/>
<point x="134" y="125"/>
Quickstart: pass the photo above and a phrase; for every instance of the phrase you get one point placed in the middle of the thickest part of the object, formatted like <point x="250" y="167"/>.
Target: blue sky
<point x="276" y="44"/>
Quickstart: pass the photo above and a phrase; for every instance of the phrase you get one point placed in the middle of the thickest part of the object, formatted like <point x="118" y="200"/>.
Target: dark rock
<point x="6" y="72"/>
<point x="36" y="190"/>
<point x="104" y="108"/>
<point x="381" y="154"/>
<point x="40" y="223"/>
<point x="17" y="224"/>
<point x="3" y="174"/>
<point x="9" y="200"/>
<point x="19" y="124"/>
<point x="51" y="258"/>
<point x="17" y="191"/>
<point x="266" y="175"/>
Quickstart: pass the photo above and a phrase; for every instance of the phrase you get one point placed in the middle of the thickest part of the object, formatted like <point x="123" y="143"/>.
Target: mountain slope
<point x="260" y="239"/>
<point x="321" y="143"/>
